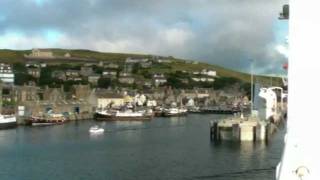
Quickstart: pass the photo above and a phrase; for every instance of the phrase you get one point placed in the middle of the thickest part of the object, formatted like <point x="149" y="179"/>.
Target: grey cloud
<point x="221" y="32"/>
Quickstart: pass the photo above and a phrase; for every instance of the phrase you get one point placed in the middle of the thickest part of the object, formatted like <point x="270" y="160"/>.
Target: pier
<point x="241" y="129"/>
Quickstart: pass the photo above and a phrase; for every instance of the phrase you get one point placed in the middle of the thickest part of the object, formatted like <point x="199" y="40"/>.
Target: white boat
<point x="175" y="112"/>
<point x="7" y="121"/>
<point x="96" y="130"/>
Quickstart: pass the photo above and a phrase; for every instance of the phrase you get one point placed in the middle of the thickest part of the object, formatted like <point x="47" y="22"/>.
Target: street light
<point x="251" y="69"/>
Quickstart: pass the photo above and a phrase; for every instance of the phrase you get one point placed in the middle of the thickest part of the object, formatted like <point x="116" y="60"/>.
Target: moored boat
<point x="7" y="121"/>
<point x="175" y="112"/>
<point x="125" y="115"/>
<point x="50" y="119"/>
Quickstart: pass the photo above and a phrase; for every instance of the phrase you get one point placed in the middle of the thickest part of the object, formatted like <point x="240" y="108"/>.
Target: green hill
<point x="15" y="56"/>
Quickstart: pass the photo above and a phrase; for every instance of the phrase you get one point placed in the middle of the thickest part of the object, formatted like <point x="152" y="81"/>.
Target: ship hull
<point x="43" y="122"/>
<point x="218" y="111"/>
<point x="174" y="114"/>
<point x="101" y="117"/>
<point x="8" y="125"/>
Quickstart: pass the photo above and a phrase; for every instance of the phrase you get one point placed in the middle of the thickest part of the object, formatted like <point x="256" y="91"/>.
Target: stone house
<point x="41" y="53"/>
<point x="53" y="94"/>
<point x="81" y="92"/>
<point x="26" y="93"/>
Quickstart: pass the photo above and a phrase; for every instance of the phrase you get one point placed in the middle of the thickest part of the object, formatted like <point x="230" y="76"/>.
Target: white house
<point x="6" y="74"/>
<point x="209" y="72"/>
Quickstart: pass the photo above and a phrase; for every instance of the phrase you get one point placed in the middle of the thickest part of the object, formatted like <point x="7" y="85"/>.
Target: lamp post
<point x="251" y="69"/>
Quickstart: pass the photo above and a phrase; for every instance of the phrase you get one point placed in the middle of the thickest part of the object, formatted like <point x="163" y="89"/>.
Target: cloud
<point x="226" y="33"/>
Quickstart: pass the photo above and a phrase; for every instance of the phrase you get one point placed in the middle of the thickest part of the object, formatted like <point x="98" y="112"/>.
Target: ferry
<point x="50" y="119"/>
<point x="7" y="121"/>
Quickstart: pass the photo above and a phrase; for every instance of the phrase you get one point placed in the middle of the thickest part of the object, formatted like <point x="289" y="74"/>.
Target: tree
<point x="104" y="82"/>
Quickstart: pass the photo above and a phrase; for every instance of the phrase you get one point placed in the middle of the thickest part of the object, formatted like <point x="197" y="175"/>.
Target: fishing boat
<point x="7" y="121"/>
<point x="174" y="111"/>
<point x="124" y="115"/>
<point x="46" y="120"/>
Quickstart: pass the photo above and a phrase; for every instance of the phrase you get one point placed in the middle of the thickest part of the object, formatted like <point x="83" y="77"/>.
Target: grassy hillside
<point x="13" y="56"/>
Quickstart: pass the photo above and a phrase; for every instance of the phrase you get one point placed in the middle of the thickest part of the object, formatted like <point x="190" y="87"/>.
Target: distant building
<point x="209" y="72"/>
<point x="86" y="71"/>
<point x="159" y="81"/>
<point x="6" y="74"/>
<point x="33" y="64"/>
<point x="164" y="60"/>
<point x="111" y="66"/>
<point x="126" y="78"/>
<point x="26" y="93"/>
<point x="158" y="75"/>
<point x="41" y="53"/>
<point x="34" y="71"/>
<point x="109" y="74"/>
<point x="94" y="78"/>
<point x="136" y="60"/>
<point x="43" y="65"/>
<point x="67" y="55"/>
<point x="81" y="92"/>
<point x="202" y="79"/>
<point x="59" y="75"/>
<point x="73" y="75"/>
<point x="146" y="64"/>
<point x="53" y="94"/>
<point x="105" y="100"/>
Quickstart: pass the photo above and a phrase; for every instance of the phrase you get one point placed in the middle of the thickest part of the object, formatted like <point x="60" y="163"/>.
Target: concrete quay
<point x="238" y="129"/>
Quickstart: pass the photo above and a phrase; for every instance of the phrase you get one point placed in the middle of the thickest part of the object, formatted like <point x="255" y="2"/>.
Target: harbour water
<point x="164" y="148"/>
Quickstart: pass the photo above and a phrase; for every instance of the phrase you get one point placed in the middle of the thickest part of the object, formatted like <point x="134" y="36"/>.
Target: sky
<point x="229" y="33"/>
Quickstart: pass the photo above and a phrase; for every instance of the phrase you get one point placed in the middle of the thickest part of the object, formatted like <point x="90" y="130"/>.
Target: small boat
<point x="47" y="120"/>
<point x="7" y="121"/>
<point x="96" y="130"/>
<point x="175" y="112"/>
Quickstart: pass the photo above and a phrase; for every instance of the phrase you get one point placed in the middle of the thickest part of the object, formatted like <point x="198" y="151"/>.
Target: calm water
<point x="165" y="148"/>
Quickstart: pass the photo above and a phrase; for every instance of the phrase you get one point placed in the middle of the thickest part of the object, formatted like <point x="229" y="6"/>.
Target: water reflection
<point x="96" y="136"/>
<point x="174" y="121"/>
